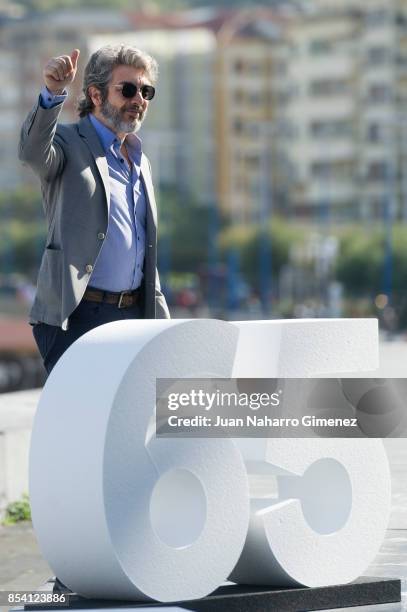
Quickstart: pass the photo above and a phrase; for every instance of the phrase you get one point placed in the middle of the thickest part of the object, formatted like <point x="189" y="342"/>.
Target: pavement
<point x="22" y="566"/>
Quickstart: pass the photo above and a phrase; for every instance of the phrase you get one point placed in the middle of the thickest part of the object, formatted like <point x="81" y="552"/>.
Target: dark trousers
<point x="52" y="341"/>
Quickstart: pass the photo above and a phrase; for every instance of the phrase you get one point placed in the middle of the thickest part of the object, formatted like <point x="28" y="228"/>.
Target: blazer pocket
<point x="50" y="280"/>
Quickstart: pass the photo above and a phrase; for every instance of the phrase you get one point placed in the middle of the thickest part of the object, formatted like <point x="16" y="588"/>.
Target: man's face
<point x="125" y="115"/>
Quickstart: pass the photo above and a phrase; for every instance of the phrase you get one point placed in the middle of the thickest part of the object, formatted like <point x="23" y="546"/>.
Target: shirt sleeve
<point x="48" y="99"/>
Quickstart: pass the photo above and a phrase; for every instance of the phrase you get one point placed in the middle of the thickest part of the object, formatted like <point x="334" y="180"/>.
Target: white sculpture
<point x="122" y="514"/>
<point x="329" y="519"/>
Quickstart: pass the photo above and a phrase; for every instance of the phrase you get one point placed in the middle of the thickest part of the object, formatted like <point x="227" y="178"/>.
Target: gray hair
<point x="99" y="69"/>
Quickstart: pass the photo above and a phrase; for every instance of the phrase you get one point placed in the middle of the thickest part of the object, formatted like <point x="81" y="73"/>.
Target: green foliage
<point x="279" y="235"/>
<point x="22" y="231"/>
<point x="23" y="204"/>
<point x="21" y="246"/>
<point x="185" y="225"/>
<point x="360" y="263"/>
<point x="360" y="267"/>
<point x="187" y="228"/>
<point x="185" y="235"/>
<point x="18" y="511"/>
<point x="400" y="260"/>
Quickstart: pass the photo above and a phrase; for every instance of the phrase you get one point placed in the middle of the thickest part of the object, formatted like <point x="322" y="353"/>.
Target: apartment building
<point x="300" y="111"/>
<point x="383" y="117"/>
<point x="9" y="119"/>
<point x="312" y="118"/>
<point x="348" y="68"/>
<point x="26" y="44"/>
<point x="247" y="114"/>
<point x="322" y="111"/>
<point x="178" y="135"/>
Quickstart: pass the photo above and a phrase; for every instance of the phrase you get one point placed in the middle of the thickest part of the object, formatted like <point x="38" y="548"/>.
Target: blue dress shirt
<point x="119" y="265"/>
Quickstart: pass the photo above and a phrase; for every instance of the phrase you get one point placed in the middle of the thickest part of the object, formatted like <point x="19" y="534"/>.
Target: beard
<point x="115" y="117"/>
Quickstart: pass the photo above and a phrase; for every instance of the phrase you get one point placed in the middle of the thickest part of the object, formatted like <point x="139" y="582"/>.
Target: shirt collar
<point x="133" y="144"/>
<point x="107" y="138"/>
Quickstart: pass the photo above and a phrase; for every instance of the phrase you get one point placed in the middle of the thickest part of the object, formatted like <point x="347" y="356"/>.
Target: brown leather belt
<point x="124" y="299"/>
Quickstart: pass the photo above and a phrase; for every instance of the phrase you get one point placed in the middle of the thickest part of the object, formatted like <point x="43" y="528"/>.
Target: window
<point x="239" y="96"/>
<point x="255" y="97"/>
<point x="238" y="126"/>
<point x="329" y="87"/>
<point x="331" y="129"/>
<point x="321" y="170"/>
<point x="254" y="130"/>
<point x="401" y="19"/>
<point x="253" y="162"/>
<point x="379" y="93"/>
<point x="377" y="17"/>
<point x="378" y="55"/>
<point x="280" y="68"/>
<point x="67" y="35"/>
<point x="401" y="58"/>
<point x="256" y="68"/>
<point x="376" y="132"/>
<point x="377" y="171"/>
<point x="342" y="170"/>
<point x="321" y="46"/>
<point x="239" y="66"/>
<point x="287" y="129"/>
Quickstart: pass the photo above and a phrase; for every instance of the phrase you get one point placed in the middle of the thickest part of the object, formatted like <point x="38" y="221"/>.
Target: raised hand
<point x="60" y="71"/>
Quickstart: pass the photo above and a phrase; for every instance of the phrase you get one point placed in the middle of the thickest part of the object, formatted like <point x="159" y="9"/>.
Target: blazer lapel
<point x="88" y="132"/>
<point x="148" y="185"/>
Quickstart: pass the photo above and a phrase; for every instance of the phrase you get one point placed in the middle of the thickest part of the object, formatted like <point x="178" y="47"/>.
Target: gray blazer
<point x="72" y="167"/>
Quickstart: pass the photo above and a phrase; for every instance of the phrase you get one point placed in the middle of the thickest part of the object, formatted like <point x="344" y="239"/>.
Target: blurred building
<point x="309" y="110"/>
<point x="383" y="117"/>
<point x="299" y="109"/>
<point x="209" y="131"/>
<point x="249" y="97"/>
<point x="26" y="44"/>
<point x="322" y="110"/>
<point x="348" y="69"/>
<point x="10" y="118"/>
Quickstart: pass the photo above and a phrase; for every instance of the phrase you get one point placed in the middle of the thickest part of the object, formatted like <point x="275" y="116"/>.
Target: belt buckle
<point x="123" y="293"/>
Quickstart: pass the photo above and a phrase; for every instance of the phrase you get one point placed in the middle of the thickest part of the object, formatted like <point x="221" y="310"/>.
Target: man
<point x="99" y="263"/>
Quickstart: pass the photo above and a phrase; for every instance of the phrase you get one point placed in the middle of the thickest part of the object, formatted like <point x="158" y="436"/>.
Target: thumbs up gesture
<point x="60" y="71"/>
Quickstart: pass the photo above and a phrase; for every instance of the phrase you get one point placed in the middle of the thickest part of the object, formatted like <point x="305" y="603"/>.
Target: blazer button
<point x="101" y="236"/>
<point x="89" y="268"/>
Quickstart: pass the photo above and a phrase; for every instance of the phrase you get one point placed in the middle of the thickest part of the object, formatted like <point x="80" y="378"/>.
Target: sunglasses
<point x="129" y="90"/>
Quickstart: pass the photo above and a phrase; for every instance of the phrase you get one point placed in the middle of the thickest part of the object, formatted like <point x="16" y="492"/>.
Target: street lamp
<point x="265" y="210"/>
